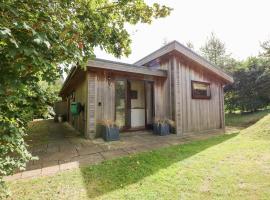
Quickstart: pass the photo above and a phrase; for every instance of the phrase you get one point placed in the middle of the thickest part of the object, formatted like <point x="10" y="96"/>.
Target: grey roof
<point x="176" y="46"/>
<point x="124" y="67"/>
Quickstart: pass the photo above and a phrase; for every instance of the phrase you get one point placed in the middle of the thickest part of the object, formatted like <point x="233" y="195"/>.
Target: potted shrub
<point x="109" y="130"/>
<point x="161" y="127"/>
<point x="171" y="125"/>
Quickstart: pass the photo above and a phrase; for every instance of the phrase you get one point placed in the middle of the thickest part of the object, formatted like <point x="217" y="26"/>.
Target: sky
<point x="240" y="24"/>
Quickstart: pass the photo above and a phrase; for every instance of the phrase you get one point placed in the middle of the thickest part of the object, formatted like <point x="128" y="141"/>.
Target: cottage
<point x="171" y="83"/>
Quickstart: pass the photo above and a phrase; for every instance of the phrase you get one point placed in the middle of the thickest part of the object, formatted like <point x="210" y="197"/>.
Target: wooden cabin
<point x="171" y="83"/>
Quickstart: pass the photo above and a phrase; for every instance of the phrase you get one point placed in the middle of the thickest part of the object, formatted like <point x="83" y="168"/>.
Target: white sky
<point x="240" y="24"/>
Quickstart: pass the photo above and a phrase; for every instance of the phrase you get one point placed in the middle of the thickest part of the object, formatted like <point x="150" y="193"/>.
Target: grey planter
<point x="172" y="130"/>
<point x="161" y="129"/>
<point x="109" y="133"/>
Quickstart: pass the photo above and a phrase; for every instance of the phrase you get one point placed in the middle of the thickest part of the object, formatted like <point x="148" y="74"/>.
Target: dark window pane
<point x="200" y="90"/>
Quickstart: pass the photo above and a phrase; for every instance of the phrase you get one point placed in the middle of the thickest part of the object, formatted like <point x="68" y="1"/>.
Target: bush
<point x="251" y="88"/>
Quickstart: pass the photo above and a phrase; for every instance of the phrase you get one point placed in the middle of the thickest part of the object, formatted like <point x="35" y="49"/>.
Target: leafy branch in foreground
<point x="36" y="37"/>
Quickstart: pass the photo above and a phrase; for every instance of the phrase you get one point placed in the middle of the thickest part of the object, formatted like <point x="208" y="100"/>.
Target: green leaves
<point x="5" y="32"/>
<point x="251" y="90"/>
<point x="38" y="41"/>
<point x="214" y="50"/>
<point x="41" y="40"/>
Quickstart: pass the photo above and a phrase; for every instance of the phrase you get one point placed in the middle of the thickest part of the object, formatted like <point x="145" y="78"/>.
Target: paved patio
<point x="65" y="149"/>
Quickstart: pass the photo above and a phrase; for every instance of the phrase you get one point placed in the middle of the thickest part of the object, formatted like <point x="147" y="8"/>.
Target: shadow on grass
<point x="116" y="174"/>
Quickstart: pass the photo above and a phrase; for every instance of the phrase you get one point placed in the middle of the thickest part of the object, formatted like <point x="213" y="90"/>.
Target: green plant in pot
<point x="161" y="127"/>
<point x="109" y="130"/>
<point x="172" y="126"/>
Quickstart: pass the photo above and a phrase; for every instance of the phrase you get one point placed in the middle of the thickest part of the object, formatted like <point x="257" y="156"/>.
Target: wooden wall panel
<point x="193" y="115"/>
<point x="178" y="84"/>
<point x="163" y="94"/>
<point x="105" y="107"/>
<point x="101" y="100"/>
<point x="172" y="98"/>
<point x="91" y="109"/>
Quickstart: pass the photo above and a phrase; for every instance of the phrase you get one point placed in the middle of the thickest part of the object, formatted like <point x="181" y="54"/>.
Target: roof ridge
<point x="116" y="62"/>
<point x="175" y="45"/>
<point x="164" y="46"/>
<point x="200" y="56"/>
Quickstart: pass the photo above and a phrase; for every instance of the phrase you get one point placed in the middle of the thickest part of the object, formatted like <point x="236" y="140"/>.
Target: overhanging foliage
<point x="36" y="36"/>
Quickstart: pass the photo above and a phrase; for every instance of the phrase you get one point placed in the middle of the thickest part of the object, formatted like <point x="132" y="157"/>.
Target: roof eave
<point x="115" y="66"/>
<point x="124" y="67"/>
<point x="70" y="75"/>
<point x="176" y="46"/>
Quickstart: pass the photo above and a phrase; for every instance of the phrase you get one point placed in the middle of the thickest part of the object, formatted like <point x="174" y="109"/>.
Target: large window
<point x="200" y="90"/>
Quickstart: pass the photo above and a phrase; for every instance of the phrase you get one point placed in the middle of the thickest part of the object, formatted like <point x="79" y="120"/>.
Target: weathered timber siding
<point x="193" y="115"/>
<point x="163" y="95"/>
<point x="105" y="106"/>
<point x="91" y="104"/>
<point x="101" y="100"/>
<point x="101" y="97"/>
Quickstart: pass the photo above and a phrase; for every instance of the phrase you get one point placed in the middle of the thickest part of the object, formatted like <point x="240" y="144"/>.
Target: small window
<point x="200" y="90"/>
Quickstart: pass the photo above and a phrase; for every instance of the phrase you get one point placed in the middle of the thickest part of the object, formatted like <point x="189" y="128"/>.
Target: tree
<point x="50" y="96"/>
<point x="266" y="49"/>
<point x="214" y="50"/>
<point x="190" y="45"/>
<point x="36" y="37"/>
<point x="251" y="88"/>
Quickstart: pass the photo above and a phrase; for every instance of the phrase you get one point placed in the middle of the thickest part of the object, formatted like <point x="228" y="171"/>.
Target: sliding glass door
<point x="133" y="104"/>
<point x="120" y="102"/>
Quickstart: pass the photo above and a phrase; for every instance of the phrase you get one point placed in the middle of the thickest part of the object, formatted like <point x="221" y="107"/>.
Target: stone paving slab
<point x="116" y="145"/>
<point x="33" y="166"/>
<point x="69" y="165"/>
<point x="49" y="163"/>
<point x="86" y="150"/>
<point x="31" y="173"/>
<point x="50" y="170"/>
<point x="67" y="151"/>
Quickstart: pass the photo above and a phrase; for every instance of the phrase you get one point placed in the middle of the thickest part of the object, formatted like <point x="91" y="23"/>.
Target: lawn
<point x="244" y="119"/>
<point x="230" y="166"/>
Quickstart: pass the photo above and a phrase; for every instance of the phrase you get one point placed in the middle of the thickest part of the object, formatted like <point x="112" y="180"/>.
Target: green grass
<point x="244" y="119"/>
<point x="232" y="166"/>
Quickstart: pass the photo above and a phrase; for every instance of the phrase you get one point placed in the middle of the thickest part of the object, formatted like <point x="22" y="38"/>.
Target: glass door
<point x="133" y="104"/>
<point x="120" y="103"/>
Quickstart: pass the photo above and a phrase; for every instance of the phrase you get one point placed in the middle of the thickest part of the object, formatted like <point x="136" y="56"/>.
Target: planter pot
<point x="172" y="130"/>
<point x="155" y="128"/>
<point x="109" y="133"/>
<point x="161" y="129"/>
